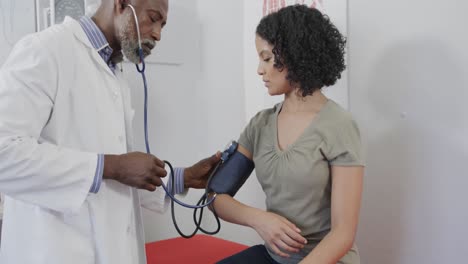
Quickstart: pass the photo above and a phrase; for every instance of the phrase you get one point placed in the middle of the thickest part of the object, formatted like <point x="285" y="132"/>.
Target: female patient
<point x="306" y="150"/>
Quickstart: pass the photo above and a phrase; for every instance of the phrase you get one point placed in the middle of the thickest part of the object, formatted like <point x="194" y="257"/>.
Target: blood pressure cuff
<point x="231" y="175"/>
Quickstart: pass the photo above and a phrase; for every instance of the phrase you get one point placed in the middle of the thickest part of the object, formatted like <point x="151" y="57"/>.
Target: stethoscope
<point x="202" y="203"/>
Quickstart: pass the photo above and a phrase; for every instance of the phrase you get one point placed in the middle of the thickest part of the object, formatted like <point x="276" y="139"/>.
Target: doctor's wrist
<point x="186" y="177"/>
<point x="111" y="163"/>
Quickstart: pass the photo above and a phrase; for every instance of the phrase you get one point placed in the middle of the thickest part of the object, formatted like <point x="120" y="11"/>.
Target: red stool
<point x="200" y="249"/>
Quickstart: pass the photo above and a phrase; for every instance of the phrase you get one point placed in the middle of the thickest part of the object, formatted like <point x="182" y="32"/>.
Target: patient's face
<point x="274" y="79"/>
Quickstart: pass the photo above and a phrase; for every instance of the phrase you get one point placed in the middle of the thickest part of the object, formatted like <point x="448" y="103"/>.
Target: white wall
<point x="13" y="27"/>
<point x="408" y="83"/>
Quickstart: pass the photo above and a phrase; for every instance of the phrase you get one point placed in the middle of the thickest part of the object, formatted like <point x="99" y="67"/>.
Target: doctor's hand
<point x="197" y="175"/>
<point x="281" y="235"/>
<point x="135" y="169"/>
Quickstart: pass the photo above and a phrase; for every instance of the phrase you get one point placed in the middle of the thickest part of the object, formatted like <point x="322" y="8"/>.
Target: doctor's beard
<point x="129" y="40"/>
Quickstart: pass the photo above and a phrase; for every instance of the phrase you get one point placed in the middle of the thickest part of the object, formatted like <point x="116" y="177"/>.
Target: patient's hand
<point x="280" y="234"/>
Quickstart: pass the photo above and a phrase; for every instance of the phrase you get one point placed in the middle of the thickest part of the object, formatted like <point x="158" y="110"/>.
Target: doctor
<point x="66" y="165"/>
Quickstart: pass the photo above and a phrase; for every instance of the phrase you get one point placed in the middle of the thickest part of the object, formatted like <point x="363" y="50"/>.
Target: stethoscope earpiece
<point x="140" y="49"/>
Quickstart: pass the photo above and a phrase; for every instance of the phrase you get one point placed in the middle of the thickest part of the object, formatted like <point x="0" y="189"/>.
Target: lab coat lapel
<point x="81" y="36"/>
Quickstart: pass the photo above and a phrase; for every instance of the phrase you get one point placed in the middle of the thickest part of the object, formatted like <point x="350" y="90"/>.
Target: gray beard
<point x="130" y="49"/>
<point x="128" y="42"/>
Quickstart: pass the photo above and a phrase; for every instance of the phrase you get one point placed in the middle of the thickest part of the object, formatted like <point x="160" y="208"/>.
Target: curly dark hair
<point x="307" y="44"/>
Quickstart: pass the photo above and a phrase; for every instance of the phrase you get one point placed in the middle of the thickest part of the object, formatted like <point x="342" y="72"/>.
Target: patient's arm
<point x="347" y="184"/>
<point x="279" y="233"/>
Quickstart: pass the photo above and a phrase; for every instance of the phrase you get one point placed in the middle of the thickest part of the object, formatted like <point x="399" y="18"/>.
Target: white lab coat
<point x="60" y="105"/>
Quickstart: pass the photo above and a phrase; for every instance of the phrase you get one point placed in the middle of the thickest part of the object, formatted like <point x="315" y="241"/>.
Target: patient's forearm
<point x="235" y="212"/>
<point x="332" y="248"/>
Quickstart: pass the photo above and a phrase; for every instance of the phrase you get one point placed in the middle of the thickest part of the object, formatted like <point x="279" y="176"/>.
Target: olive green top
<point x="297" y="180"/>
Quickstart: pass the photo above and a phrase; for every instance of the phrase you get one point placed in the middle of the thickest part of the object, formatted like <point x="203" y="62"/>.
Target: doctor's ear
<point x="121" y="4"/>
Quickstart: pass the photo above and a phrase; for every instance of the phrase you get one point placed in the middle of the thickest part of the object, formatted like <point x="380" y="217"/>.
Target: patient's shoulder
<point x="264" y="116"/>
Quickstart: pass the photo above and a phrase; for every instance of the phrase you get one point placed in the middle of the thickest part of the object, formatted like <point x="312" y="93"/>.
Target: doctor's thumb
<point x="215" y="158"/>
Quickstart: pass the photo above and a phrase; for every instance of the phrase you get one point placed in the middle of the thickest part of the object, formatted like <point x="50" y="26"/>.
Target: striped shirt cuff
<point x="98" y="176"/>
<point x="179" y="181"/>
